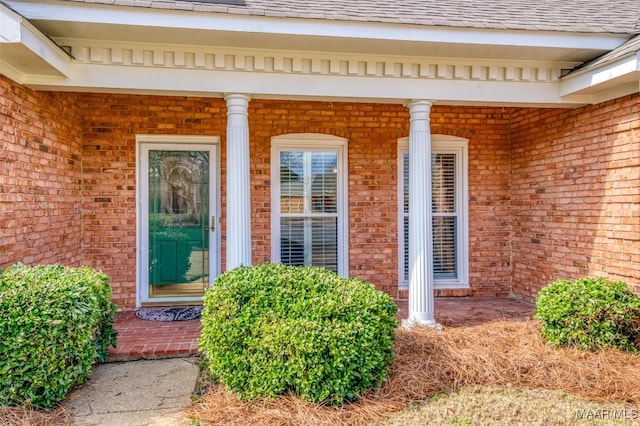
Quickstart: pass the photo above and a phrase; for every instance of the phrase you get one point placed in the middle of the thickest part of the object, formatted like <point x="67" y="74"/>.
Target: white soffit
<point x="26" y="51"/>
<point x="607" y="81"/>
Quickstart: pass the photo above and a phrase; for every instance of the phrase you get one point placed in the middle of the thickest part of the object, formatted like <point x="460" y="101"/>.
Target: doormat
<point x="170" y="314"/>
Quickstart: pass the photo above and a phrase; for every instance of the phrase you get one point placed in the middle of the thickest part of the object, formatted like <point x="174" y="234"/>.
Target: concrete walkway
<point x="136" y="393"/>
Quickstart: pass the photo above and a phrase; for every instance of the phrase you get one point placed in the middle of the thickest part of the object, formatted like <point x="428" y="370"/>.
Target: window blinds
<point x="308" y="208"/>
<point x="444" y="202"/>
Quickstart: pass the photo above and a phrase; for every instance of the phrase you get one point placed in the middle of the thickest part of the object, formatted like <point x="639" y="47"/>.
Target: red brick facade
<point x="575" y="194"/>
<point x="511" y="166"/>
<point x="373" y="131"/>
<point x="110" y="124"/>
<point x="40" y="176"/>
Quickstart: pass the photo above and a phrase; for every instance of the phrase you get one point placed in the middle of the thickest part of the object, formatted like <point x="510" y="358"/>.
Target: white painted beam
<point x="121" y="79"/>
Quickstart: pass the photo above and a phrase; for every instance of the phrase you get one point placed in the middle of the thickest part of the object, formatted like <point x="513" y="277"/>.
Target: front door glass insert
<point x="178" y="223"/>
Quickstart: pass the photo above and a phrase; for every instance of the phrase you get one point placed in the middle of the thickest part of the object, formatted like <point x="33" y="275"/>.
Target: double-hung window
<point x="308" y="176"/>
<point x="448" y="208"/>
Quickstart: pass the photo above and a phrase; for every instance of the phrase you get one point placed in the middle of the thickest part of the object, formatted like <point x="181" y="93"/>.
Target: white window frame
<point x="312" y="142"/>
<point x="444" y="144"/>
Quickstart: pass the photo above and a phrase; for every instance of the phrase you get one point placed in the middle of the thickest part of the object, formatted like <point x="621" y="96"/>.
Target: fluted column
<point x="238" y="183"/>
<point x="421" y="298"/>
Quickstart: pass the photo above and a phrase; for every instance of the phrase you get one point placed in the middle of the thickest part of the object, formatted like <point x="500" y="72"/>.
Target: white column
<point x="238" y="183"/>
<point x="421" y="299"/>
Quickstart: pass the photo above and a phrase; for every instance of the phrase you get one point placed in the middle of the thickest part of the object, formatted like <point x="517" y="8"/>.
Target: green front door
<point x="179" y="222"/>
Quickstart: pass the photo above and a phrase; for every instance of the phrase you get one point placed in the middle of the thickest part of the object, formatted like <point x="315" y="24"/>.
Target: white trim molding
<point x="178" y="139"/>
<point x="312" y="142"/>
<point x="301" y="62"/>
<point x="267" y="73"/>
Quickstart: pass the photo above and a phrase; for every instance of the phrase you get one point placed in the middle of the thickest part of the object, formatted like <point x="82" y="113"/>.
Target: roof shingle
<point x="588" y="16"/>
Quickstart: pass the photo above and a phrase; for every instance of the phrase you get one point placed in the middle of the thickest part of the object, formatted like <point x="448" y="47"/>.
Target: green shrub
<point x="589" y="313"/>
<point x="274" y="329"/>
<point x="54" y="322"/>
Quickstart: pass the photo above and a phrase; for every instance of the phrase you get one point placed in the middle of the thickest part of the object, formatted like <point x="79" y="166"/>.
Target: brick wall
<point x="110" y="125"/>
<point x="489" y="212"/>
<point x="372" y="131"/>
<point x="40" y="166"/>
<point x="552" y="193"/>
<point x="112" y="121"/>
<point x="575" y="194"/>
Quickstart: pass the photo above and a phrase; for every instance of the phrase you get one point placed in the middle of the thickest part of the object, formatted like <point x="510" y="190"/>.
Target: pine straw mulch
<point x="14" y="416"/>
<point x="427" y="361"/>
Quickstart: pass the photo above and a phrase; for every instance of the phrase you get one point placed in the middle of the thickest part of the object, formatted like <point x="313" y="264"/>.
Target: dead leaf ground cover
<point x="507" y="355"/>
<point x="14" y="416"/>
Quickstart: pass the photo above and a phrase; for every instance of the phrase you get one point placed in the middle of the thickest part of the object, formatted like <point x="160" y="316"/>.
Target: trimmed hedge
<point x="272" y="329"/>
<point x="55" y="322"/>
<point x="590" y="314"/>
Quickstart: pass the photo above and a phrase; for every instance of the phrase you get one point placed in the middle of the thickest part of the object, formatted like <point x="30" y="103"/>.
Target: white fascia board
<point x="15" y="30"/>
<point x="9" y="25"/>
<point x="214" y="83"/>
<point x="84" y="13"/>
<point x="617" y="92"/>
<point x="47" y="50"/>
<point x="605" y="77"/>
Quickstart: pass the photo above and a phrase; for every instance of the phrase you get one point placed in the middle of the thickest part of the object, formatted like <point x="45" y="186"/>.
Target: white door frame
<point x="144" y="143"/>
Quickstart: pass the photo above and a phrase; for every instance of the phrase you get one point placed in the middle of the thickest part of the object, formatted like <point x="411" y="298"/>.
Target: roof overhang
<point x="143" y="50"/>
<point x="139" y="24"/>
<point x="606" y="81"/>
<point x="25" y="51"/>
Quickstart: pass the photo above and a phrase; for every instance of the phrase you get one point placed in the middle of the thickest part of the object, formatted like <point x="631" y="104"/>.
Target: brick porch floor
<point x="139" y="339"/>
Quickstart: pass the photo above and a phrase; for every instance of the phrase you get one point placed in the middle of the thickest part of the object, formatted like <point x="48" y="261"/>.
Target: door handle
<point x="213" y="224"/>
